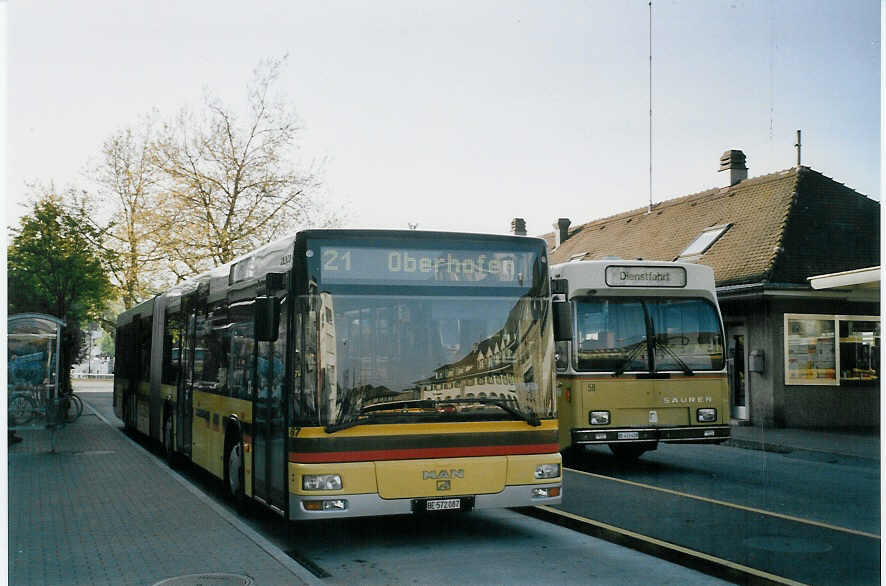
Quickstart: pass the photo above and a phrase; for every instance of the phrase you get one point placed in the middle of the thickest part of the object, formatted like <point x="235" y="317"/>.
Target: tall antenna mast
<point x="799" y="145"/>
<point x="650" y="107"/>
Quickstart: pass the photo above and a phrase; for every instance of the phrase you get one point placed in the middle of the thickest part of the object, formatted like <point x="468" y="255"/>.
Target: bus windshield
<point x="615" y="334"/>
<point x="400" y="358"/>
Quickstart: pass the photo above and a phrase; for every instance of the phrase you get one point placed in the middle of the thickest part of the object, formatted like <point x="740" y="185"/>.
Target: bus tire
<point x="234" y="466"/>
<point x="628" y="452"/>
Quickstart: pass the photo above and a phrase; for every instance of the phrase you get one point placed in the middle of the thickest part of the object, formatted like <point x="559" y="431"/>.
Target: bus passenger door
<point x="270" y="463"/>
<point x="186" y="386"/>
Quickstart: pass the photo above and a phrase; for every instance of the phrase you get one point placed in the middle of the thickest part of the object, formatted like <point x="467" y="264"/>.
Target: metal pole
<point x="799" y="146"/>
<point x="650" y="107"/>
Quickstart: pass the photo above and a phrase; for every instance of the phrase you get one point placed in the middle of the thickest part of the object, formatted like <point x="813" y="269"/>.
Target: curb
<point x="294" y="567"/>
<point x="784" y="449"/>
<point x="688" y="558"/>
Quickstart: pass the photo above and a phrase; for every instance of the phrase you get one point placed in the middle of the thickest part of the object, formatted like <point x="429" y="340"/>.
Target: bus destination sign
<point x="389" y="266"/>
<point x="645" y="276"/>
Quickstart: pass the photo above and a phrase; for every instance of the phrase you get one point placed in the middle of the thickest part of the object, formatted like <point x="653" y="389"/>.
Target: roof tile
<point x="771" y="238"/>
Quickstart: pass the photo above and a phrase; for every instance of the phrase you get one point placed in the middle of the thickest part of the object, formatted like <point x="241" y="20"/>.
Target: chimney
<point x="561" y="231"/>
<point x="734" y="162"/>
<point x="518" y="226"/>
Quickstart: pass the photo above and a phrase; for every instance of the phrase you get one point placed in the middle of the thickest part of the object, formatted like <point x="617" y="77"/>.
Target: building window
<point x="705" y="240"/>
<point x="831" y="349"/>
<point x="859" y="350"/>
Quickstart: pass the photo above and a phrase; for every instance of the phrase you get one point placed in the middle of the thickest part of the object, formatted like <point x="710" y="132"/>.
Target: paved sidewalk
<point x="102" y="510"/>
<point x="855" y="443"/>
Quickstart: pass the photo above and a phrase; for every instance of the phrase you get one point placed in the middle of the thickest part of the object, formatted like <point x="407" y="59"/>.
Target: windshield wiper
<point x="632" y="353"/>
<point x="371" y="411"/>
<point x="531" y="418"/>
<point x="683" y="366"/>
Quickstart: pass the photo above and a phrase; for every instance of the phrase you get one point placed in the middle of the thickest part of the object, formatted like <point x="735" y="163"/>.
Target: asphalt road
<point x="483" y="547"/>
<point x="815" y="520"/>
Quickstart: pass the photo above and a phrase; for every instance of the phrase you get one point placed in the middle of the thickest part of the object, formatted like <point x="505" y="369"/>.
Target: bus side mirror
<point x="267" y="318"/>
<point x="562" y="321"/>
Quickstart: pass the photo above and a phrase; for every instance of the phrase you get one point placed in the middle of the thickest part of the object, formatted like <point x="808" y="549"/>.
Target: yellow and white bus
<point x="342" y="373"/>
<point x="640" y="355"/>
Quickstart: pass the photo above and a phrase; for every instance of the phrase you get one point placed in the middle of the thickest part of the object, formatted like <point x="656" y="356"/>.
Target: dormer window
<point x="704" y="241"/>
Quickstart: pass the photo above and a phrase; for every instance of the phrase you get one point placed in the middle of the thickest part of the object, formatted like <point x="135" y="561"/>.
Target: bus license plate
<point x="443" y="505"/>
<point x="626" y="435"/>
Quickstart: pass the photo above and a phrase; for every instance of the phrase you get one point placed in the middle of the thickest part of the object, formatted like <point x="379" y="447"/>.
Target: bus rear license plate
<point x="628" y="435"/>
<point x="443" y="505"/>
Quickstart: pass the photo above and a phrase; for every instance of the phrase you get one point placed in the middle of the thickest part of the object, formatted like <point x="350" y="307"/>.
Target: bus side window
<point x="241" y="360"/>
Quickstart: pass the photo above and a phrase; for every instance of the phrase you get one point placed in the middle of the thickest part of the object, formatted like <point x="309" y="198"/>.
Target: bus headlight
<point x="321" y="482"/>
<point x="547" y="471"/>
<point x="599" y="417"/>
<point x="706" y="415"/>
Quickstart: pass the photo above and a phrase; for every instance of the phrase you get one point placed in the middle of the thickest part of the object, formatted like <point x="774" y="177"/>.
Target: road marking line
<point x="731" y="505"/>
<point x="674" y="547"/>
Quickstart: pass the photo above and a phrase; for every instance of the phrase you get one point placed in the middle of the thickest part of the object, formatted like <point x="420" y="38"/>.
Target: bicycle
<point x="23" y="405"/>
<point x="21" y="408"/>
<point x="71" y="407"/>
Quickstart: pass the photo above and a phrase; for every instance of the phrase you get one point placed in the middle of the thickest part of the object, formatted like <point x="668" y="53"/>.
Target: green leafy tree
<point x="54" y="267"/>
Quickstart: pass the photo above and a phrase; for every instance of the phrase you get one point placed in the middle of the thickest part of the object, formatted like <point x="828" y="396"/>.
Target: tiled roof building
<point x="782" y="228"/>
<point x="765" y="237"/>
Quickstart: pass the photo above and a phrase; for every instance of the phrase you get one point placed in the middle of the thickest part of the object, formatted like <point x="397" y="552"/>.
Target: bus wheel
<point x="234" y="472"/>
<point x="627" y="452"/>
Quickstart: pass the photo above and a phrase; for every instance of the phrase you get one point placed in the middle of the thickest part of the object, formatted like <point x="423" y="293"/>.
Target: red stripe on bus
<point x="415" y="454"/>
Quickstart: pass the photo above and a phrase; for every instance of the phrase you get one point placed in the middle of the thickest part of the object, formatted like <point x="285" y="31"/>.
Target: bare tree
<point x="231" y="184"/>
<point x="137" y="229"/>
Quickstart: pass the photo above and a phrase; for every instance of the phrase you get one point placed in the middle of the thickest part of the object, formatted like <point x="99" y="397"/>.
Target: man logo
<point x="444" y="485"/>
<point x="442" y="474"/>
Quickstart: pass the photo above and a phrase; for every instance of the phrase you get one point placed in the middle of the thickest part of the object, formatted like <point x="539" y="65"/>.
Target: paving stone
<point x="100" y="510"/>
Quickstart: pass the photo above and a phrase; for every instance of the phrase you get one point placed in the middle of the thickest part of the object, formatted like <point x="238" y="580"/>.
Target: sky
<point x="462" y="115"/>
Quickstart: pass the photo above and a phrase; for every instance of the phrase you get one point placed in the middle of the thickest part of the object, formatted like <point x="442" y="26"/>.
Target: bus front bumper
<point x="695" y="434"/>
<point x="365" y="505"/>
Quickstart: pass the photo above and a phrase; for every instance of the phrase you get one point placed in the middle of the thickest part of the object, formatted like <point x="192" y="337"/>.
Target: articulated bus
<point x="639" y="356"/>
<point x="344" y="373"/>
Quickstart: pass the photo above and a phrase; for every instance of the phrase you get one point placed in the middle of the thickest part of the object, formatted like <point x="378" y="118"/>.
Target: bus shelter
<point x="33" y="371"/>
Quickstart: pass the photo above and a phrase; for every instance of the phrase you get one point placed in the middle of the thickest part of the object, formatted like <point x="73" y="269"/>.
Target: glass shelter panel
<point x="32" y="370"/>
